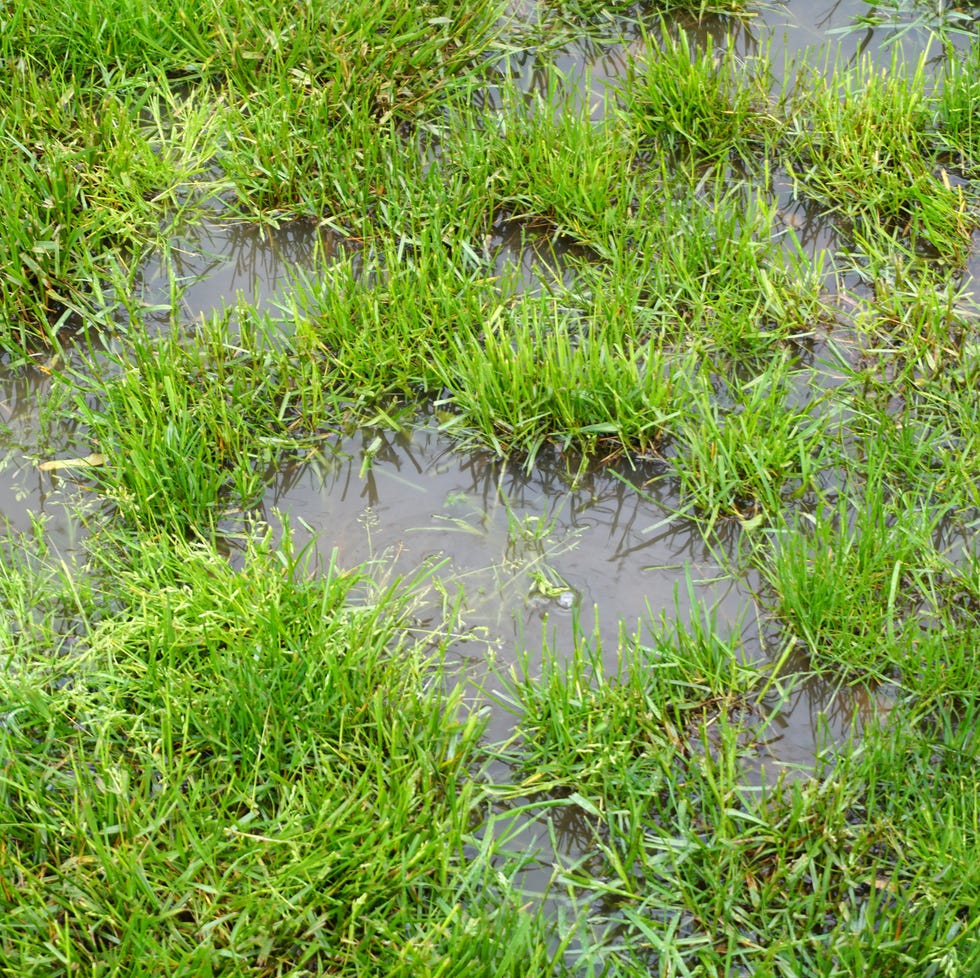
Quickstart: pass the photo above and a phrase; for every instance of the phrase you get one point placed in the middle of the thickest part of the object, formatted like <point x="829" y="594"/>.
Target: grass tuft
<point x="752" y="456"/>
<point x="608" y="729"/>
<point x="862" y="147"/>
<point x="189" y="426"/>
<point x="700" y="105"/>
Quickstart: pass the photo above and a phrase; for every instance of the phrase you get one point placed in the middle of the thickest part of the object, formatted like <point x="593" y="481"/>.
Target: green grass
<point x="607" y="730"/>
<point x="851" y="588"/>
<point x="93" y="176"/>
<point x="188" y="426"/>
<point x="532" y="379"/>
<point x="117" y="118"/>
<point x="218" y="758"/>
<point x="701" y="105"/>
<point x="390" y="55"/>
<point x="749" y="458"/>
<point x="217" y="782"/>
<point x="826" y="876"/>
<point x="861" y="145"/>
<point x="959" y="117"/>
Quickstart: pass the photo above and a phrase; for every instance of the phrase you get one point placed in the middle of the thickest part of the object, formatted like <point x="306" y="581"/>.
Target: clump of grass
<point x="385" y="321"/>
<point x="928" y="322"/>
<point x="856" y="586"/>
<point x="327" y="130"/>
<point x="99" y="39"/>
<point x="823" y="875"/>
<point x="533" y="376"/>
<point x="699" y="105"/>
<point x="943" y="416"/>
<point x="248" y="769"/>
<point x="101" y="152"/>
<point x="258" y="770"/>
<point x="751" y="456"/>
<point x="958" y="110"/>
<point x="423" y="315"/>
<point x="57" y="177"/>
<point x="391" y="57"/>
<point x="917" y="358"/>
<point x="543" y="161"/>
<point x="605" y="730"/>
<point x="698" y="269"/>
<point x="866" y="152"/>
<point x="688" y="868"/>
<point x="285" y="153"/>
<point x="88" y="172"/>
<point x="188" y="426"/>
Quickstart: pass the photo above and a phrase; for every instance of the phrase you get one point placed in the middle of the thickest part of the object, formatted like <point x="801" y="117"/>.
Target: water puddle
<point x="532" y="551"/>
<point x="217" y="265"/>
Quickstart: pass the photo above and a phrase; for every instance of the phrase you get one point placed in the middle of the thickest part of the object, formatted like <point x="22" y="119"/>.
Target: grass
<point x="86" y="173"/>
<point x="747" y="459"/>
<point x="519" y="384"/>
<point x="217" y="780"/>
<point x="186" y="430"/>
<point x="402" y="54"/>
<point x="819" y="877"/>
<point x="959" y="124"/>
<point x="116" y="117"/>
<point x="698" y="103"/>
<point x="604" y="731"/>
<point x="217" y="757"/>
<point x="867" y="154"/>
<point x="853" y="588"/>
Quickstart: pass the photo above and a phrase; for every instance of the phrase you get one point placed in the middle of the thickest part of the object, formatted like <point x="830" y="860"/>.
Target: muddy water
<point x="532" y="551"/>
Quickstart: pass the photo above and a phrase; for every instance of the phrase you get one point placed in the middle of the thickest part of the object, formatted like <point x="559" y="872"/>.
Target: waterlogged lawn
<point x="219" y="756"/>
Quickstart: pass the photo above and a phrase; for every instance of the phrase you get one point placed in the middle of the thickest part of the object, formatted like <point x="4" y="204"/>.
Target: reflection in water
<point x="26" y="492"/>
<point x="214" y="265"/>
<point x="529" y="262"/>
<point x="857" y="28"/>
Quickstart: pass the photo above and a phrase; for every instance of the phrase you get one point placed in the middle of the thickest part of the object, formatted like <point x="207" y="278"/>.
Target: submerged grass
<point x="823" y="876"/>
